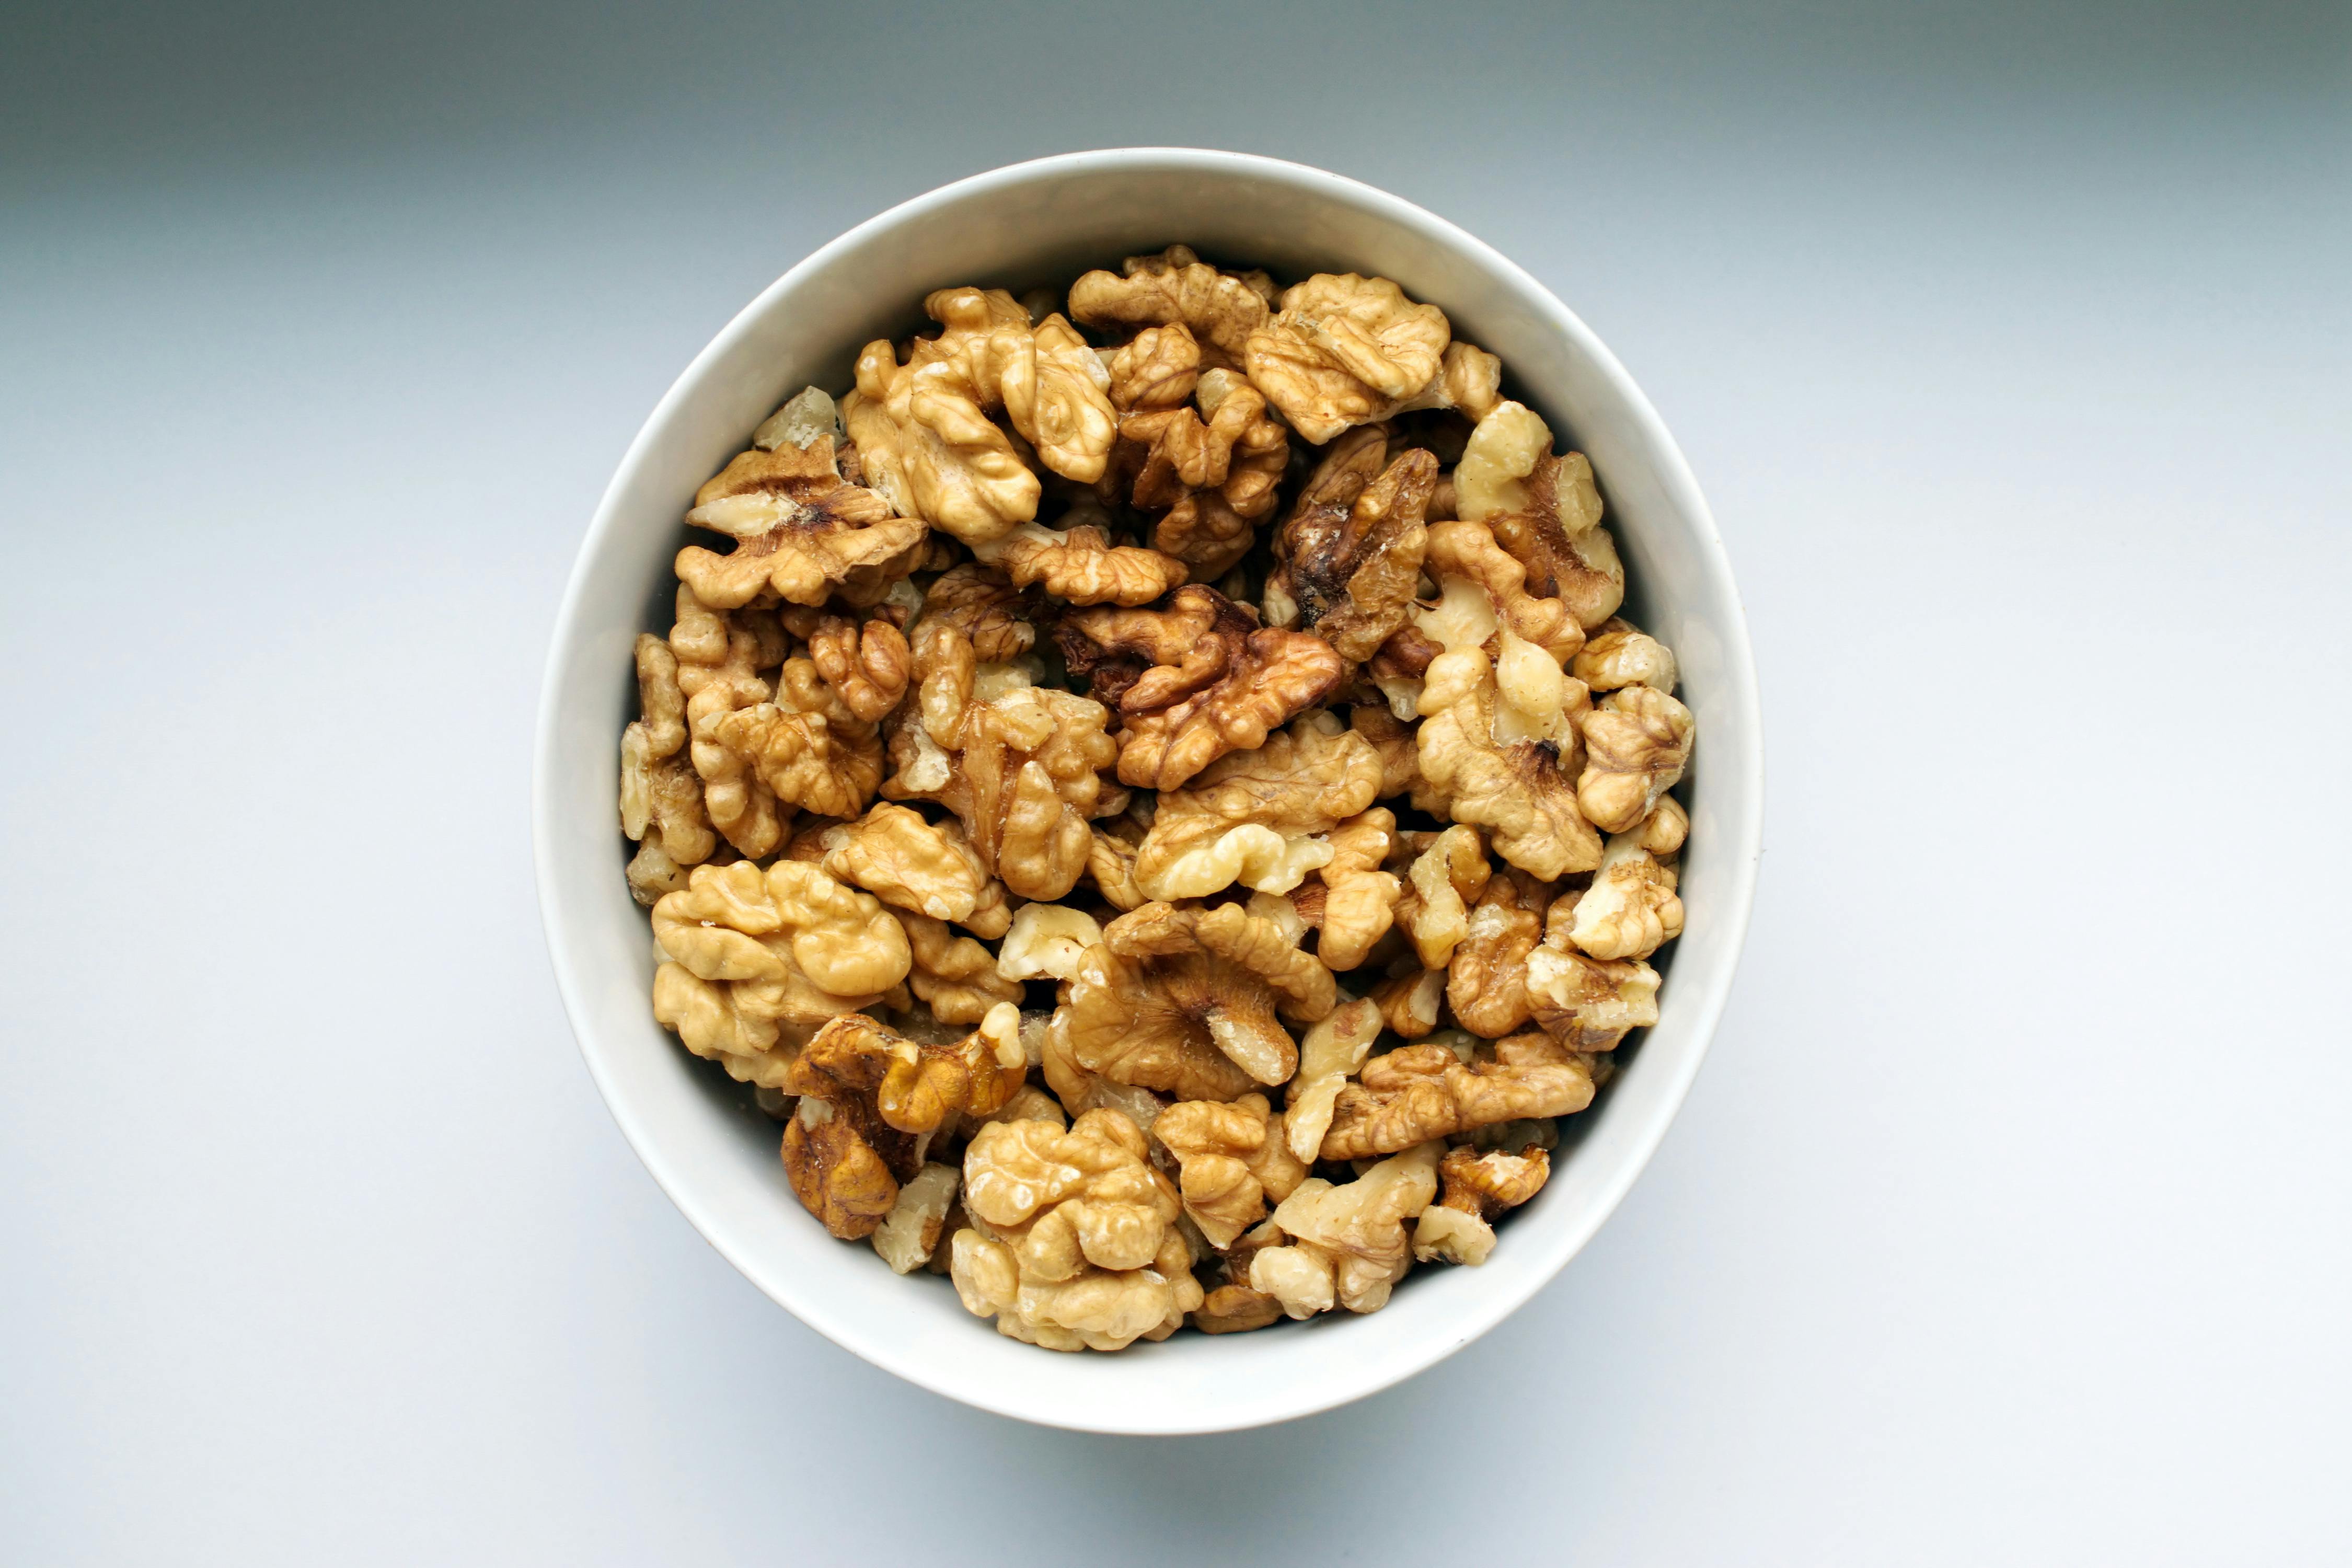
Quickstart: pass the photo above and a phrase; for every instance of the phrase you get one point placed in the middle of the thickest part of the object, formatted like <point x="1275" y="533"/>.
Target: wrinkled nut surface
<point x="1178" y="814"/>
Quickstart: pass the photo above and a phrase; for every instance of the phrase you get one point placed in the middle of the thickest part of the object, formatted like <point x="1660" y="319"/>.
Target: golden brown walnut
<point x="1048" y="941"/>
<point x="1176" y="286"/>
<point x="1392" y="738"/>
<point x="1587" y="1004"/>
<point x="799" y="531"/>
<point x="911" y="1233"/>
<point x="1469" y="550"/>
<point x="1345" y="350"/>
<point x="1354" y="901"/>
<point x="1408" y="1001"/>
<point x="1232" y="1157"/>
<point x="661" y="794"/>
<point x="1486" y="982"/>
<point x="1073" y="1241"/>
<point x="1210" y="466"/>
<point x="1254" y="818"/>
<point x="952" y="975"/>
<point x="719" y="657"/>
<point x="1234" y="1306"/>
<point x="757" y="954"/>
<point x="842" y="1163"/>
<point x="1468" y="378"/>
<point x="1620" y="654"/>
<point x="1419" y="1092"/>
<point x="1331" y="1052"/>
<point x="914" y="1086"/>
<point x="1459" y="1227"/>
<point x="1110" y="864"/>
<point x="1159" y="367"/>
<point x="1630" y="909"/>
<point x="980" y="602"/>
<point x="1195" y="680"/>
<point x="1636" y="744"/>
<point x="1348" y="558"/>
<point x="929" y="868"/>
<point x="1184" y="1000"/>
<point x="1444" y="877"/>
<point x="1348" y="1244"/>
<point x="867" y="667"/>
<point x="805" y="745"/>
<point x="1081" y="566"/>
<point x="1021" y="768"/>
<point x="1544" y="509"/>
<point x="1662" y="832"/>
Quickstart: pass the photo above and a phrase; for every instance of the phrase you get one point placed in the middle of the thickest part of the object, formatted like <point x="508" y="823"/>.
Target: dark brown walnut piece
<point x="1349" y="555"/>
<point x="1194" y="681"/>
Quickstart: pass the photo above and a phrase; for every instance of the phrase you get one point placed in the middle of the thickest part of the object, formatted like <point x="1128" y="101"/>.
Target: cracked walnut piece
<point x="1418" y="1092"/>
<point x="1183" y="1000"/>
<point x="1232" y="1157"/>
<point x="1081" y="566"/>
<point x="800" y="532"/>
<point x="806" y="746"/>
<point x="1073" y="1242"/>
<point x="955" y="976"/>
<point x="1630" y="909"/>
<point x="928" y="866"/>
<point x="1348" y="1246"/>
<point x="1348" y="557"/>
<point x="1254" y="818"/>
<point x="1544" y="509"/>
<point x="1636" y="744"/>
<point x="1459" y="1227"/>
<point x="661" y="794"/>
<point x="1345" y="350"/>
<point x="1177" y="287"/>
<point x="1195" y="680"/>
<point x="1587" y="1004"/>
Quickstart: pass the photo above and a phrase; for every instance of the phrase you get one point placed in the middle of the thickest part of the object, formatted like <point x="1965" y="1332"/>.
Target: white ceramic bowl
<point x="1045" y="222"/>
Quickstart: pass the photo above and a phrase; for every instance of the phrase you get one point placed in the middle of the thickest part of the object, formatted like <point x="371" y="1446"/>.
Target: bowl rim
<point x="1671" y="473"/>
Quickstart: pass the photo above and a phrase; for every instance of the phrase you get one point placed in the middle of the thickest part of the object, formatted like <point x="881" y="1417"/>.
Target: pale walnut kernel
<point x="929" y="868"/>
<point x="1360" y="900"/>
<point x="1184" y="1000"/>
<point x="1020" y="769"/>
<point x="799" y="531"/>
<point x="1544" y="509"/>
<point x="1176" y="286"/>
<point x="911" y="1233"/>
<point x="1469" y="550"/>
<point x="1620" y="654"/>
<point x="1349" y="1245"/>
<point x="954" y="976"/>
<point x="1426" y="1092"/>
<point x="1232" y="1157"/>
<point x="1662" y="832"/>
<point x="1630" y="909"/>
<point x="1344" y="350"/>
<point x="1081" y="566"/>
<point x="1111" y="863"/>
<point x="1331" y="1052"/>
<point x="1254" y="818"/>
<point x="1444" y="878"/>
<point x="1048" y="941"/>
<point x="1636" y="744"/>
<point x="1459" y="1227"/>
<point x="1195" y="680"/>
<point x="1588" y="1004"/>
<point x="1348" y="557"/>
<point x="1408" y="1001"/>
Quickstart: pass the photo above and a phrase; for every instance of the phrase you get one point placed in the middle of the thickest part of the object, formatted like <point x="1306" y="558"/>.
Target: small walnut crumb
<point x="1619" y="654"/>
<point x="910" y="1234"/>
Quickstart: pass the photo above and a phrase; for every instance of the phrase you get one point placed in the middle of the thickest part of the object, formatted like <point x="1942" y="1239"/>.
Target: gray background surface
<point x="2011" y="1219"/>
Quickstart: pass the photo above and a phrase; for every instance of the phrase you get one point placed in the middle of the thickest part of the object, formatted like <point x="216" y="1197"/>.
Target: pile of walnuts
<point x="1196" y="905"/>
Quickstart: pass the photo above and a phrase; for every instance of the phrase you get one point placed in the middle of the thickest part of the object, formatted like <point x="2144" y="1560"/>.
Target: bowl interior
<point x="699" y="1134"/>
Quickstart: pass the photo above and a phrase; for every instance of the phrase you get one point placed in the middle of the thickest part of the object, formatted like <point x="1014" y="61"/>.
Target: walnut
<point x="1392" y="738"/>
<point x="1348" y="1244"/>
<point x="1349" y="555"/>
<point x="806" y="746"/>
<point x="977" y="601"/>
<point x="1408" y="1001"/>
<point x="1176" y="286"/>
<point x="867" y="667"/>
<point x="1468" y="551"/>
<point x="661" y="794"/>
<point x="1081" y="566"/>
<point x="1445" y="876"/>
<point x="1252" y="817"/>
<point x="1195" y="680"/>
<point x="799" y="531"/>
<point x="1637" y="744"/>
<point x="1020" y="768"/>
<point x="1159" y="367"/>
<point x="1459" y="1227"/>
<point x="755" y="951"/>
<point x="1544" y="509"/>
<point x="719" y="656"/>
<point x="844" y="1164"/>
<point x="1357" y="901"/>
<point x="1468" y="378"/>
<point x="1209" y="468"/>
<point x="1232" y="1157"/>
<point x="1048" y="940"/>
<point x="1331" y="1052"/>
<point x="911" y="1232"/>
<point x="1426" y="1092"/>
<point x="1587" y="1004"/>
<point x="953" y="976"/>
<point x="1619" y="654"/>
<point x="1110" y="864"/>
<point x="1662" y="832"/>
<point x="1631" y="908"/>
<point x="1073" y="1242"/>
<point x="1184" y="1000"/>
<point x="1486" y="982"/>
<point x="929" y="868"/>
<point x="1344" y="350"/>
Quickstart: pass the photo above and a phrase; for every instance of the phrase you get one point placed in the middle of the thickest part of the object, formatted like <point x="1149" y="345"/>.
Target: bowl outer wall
<point x="1020" y="226"/>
